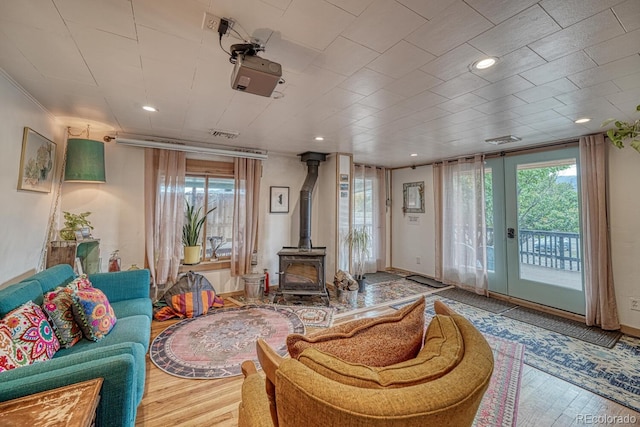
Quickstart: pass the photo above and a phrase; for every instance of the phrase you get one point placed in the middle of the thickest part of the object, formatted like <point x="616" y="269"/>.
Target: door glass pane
<point x="488" y="209"/>
<point x="220" y="221"/>
<point x="549" y="223"/>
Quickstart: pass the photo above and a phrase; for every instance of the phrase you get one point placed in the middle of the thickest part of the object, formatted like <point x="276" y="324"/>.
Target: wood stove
<point x="302" y="267"/>
<point x="302" y="272"/>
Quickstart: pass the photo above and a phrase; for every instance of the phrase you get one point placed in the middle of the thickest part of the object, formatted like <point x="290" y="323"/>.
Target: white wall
<point x="412" y="241"/>
<point x="624" y="176"/>
<point x="24" y="214"/>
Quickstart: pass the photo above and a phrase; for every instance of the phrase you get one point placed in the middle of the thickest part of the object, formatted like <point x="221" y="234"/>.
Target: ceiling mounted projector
<point x="252" y="74"/>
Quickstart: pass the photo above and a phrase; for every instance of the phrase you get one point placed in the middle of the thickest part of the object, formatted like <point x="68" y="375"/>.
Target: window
<point x="210" y="184"/>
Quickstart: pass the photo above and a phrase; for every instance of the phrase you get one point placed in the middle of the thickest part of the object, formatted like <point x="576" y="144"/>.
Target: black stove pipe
<point x="306" y="193"/>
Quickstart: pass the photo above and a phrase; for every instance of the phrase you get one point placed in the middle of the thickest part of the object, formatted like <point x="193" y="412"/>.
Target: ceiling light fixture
<point x="485" y="63"/>
<point x="319" y="138"/>
<point x="149" y="108"/>
<point x="582" y="120"/>
<point x="414" y="154"/>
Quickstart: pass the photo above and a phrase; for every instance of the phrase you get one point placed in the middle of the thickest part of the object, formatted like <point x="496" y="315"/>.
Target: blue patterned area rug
<point x="611" y="373"/>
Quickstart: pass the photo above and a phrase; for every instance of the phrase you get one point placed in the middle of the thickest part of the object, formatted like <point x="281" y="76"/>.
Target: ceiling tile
<point x="413" y="83"/>
<point x="547" y="90"/>
<point x="612" y="70"/>
<point x="499" y="10"/>
<point x="631" y="81"/>
<point x="327" y="23"/>
<point x="366" y="81"/>
<point x="504" y="87"/>
<point x="42" y="15"/>
<point x="436" y="36"/>
<point x="344" y="56"/>
<point x="516" y="32"/>
<point x="615" y="48"/>
<point x="460" y="85"/>
<point x="382" y="99"/>
<point x="369" y="29"/>
<point x="537" y="107"/>
<point x="500" y="104"/>
<point x="463" y="102"/>
<point x="109" y="16"/>
<point x="400" y="60"/>
<point x="593" y="30"/>
<point x="589" y="94"/>
<point x="629" y="14"/>
<point x="427" y="8"/>
<point x="453" y="63"/>
<point x="538" y="117"/>
<point x="559" y="68"/>
<point x="355" y="7"/>
<point x="568" y="12"/>
<point x="184" y="21"/>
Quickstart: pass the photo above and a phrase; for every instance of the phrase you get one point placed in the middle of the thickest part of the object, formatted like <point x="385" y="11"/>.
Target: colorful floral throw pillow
<point x="31" y="330"/>
<point x="11" y="355"/>
<point x="58" y="306"/>
<point x="94" y="314"/>
<point x="80" y="282"/>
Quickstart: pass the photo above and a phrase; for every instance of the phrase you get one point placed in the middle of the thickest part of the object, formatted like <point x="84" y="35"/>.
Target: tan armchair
<point x="442" y="386"/>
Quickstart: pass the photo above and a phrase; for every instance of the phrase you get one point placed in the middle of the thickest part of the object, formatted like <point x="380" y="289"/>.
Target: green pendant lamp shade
<point x="85" y="161"/>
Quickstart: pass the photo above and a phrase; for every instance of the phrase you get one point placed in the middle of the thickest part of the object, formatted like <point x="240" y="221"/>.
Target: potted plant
<point x="194" y="220"/>
<point x="624" y="132"/>
<point x="359" y="241"/>
<point x="74" y="222"/>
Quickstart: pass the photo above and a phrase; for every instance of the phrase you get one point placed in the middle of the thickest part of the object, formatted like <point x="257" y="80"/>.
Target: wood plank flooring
<point x="545" y="401"/>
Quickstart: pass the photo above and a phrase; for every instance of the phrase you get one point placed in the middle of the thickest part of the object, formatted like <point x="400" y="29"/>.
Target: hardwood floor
<point x="545" y="400"/>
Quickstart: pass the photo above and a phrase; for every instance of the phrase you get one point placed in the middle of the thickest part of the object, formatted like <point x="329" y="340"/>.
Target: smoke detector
<point x="503" y="140"/>
<point x="229" y="134"/>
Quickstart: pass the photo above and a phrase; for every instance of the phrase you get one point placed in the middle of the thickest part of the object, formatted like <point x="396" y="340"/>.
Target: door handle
<point x="511" y="233"/>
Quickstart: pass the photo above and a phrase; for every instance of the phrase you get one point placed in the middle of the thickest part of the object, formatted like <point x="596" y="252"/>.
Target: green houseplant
<point x="74" y="222"/>
<point x="359" y="241"/>
<point x="193" y="222"/>
<point x="624" y="132"/>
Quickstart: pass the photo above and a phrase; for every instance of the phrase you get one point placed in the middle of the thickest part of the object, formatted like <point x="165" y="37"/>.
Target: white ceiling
<point x="379" y="78"/>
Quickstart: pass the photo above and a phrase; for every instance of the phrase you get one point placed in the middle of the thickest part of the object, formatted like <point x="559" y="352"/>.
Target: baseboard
<point x="630" y="330"/>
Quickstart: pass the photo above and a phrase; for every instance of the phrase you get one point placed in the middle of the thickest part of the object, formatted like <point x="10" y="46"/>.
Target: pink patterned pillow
<point x="94" y="314"/>
<point x="80" y="282"/>
<point x="31" y="330"/>
<point x="11" y="355"/>
<point x="57" y="305"/>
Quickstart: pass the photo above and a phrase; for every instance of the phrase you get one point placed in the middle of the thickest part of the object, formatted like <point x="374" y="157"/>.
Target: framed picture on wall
<point x="37" y="162"/>
<point x="413" y="197"/>
<point x="279" y="200"/>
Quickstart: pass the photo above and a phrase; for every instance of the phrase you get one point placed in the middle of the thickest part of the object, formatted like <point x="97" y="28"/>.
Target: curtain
<point x="245" y="214"/>
<point x="600" y="296"/>
<point x="462" y="223"/>
<point x="164" y="215"/>
<point x="369" y="211"/>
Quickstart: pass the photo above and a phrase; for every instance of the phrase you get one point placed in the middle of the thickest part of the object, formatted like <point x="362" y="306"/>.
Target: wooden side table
<point x="70" y="406"/>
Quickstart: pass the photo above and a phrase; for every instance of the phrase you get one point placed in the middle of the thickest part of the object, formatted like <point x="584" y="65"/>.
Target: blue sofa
<point x="119" y="358"/>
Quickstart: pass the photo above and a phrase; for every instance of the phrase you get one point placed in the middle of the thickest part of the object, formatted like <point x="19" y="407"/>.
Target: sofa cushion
<point x="443" y="351"/>
<point x="11" y="355"/>
<point x="94" y="314"/>
<point x="14" y="296"/>
<point x="58" y="306"/>
<point x="79" y="283"/>
<point x="31" y="330"/>
<point x="132" y="307"/>
<point x="53" y="277"/>
<point x="380" y="341"/>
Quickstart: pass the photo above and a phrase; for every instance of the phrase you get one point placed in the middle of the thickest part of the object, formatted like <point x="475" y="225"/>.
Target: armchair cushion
<point x="381" y="341"/>
<point x="442" y="352"/>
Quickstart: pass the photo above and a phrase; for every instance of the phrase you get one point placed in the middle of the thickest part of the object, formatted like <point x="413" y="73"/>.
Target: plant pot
<point x="67" y="234"/>
<point x="191" y="255"/>
<point x="361" y="283"/>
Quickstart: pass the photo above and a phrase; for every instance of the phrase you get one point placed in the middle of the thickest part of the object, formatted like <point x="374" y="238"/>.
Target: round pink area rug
<point x="216" y="344"/>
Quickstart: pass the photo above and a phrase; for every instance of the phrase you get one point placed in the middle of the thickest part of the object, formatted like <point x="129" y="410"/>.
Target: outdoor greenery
<point x="193" y="222"/>
<point x="358" y="241"/>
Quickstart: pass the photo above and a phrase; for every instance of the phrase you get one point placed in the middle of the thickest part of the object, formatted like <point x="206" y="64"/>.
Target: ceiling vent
<point x="503" y="140"/>
<point x="224" y="133"/>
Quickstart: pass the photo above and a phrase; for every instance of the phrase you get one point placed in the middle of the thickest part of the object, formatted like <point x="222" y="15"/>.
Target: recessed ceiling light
<point x="319" y="138"/>
<point x="149" y="108"/>
<point x="484" y="63"/>
<point x="583" y="120"/>
<point x="414" y="154"/>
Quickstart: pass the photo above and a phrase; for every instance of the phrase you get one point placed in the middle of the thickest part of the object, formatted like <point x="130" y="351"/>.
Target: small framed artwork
<point x="344" y="177"/>
<point x="344" y="187"/>
<point x="37" y="162"/>
<point x="413" y="197"/>
<point x="279" y="200"/>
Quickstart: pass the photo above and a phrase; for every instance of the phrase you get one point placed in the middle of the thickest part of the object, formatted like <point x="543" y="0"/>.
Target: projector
<point x="255" y="75"/>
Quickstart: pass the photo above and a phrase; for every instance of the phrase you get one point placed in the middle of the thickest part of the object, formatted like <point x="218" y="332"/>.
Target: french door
<point x="533" y="228"/>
